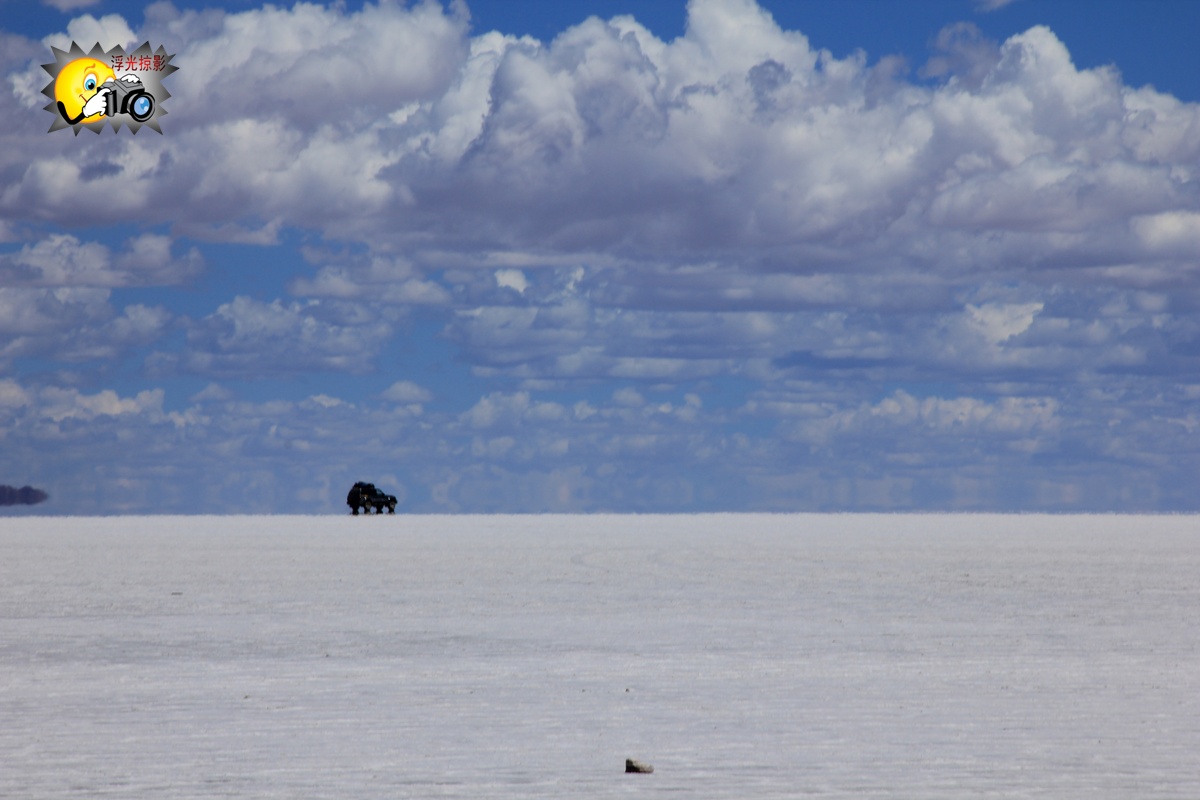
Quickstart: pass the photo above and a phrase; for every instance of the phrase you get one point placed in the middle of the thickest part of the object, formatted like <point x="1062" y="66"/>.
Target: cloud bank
<point x="725" y="271"/>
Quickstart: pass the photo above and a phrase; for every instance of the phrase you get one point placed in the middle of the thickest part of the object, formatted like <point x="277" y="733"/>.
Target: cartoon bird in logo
<point x="87" y="89"/>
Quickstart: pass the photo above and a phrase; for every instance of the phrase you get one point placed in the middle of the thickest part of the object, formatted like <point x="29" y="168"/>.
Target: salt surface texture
<point x="525" y="657"/>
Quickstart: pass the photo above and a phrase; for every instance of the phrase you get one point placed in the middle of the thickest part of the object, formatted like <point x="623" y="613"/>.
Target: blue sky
<point x="602" y="255"/>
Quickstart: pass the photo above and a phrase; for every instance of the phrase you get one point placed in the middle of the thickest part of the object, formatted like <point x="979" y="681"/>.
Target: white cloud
<point x="73" y="325"/>
<point x="407" y="392"/>
<point x="628" y="396"/>
<point x="56" y="293"/>
<point x="61" y="404"/>
<point x="69" y="5"/>
<point x="249" y="338"/>
<point x="992" y="5"/>
<point x="109" y="31"/>
<point x="512" y="279"/>
<point x="1170" y="232"/>
<point x="1001" y="322"/>
<point x="497" y="408"/>
<point x="961" y="451"/>
<point x="963" y="55"/>
<point x="896" y="419"/>
<point x="376" y="278"/>
<point x="62" y="260"/>
<point x="12" y="394"/>
<point x="214" y="391"/>
<point x="737" y="137"/>
<point x="316" y="65"/>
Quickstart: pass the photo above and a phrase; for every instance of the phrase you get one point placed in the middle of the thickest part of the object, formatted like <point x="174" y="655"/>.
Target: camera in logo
<point x="128" y="97"/>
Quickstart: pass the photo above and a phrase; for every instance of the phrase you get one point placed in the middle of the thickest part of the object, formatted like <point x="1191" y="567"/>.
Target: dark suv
<point x="366" y="496"/>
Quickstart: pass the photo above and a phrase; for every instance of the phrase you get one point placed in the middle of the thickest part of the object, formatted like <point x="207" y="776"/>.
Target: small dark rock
<point x="637" y="766"/>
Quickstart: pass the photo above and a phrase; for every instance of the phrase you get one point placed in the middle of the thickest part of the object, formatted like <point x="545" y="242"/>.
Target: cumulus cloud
<point x="963" y="54"/>
<point x="109" y="31"/>
<point x="519" y="451"/>
<point x="56" y="296"/>
<point x="738" y="138"/>
<point x="407" y="392"/>
<point x="69" y="5"/>
<point x="73" y="325"/>
<point x="992" y="5"/>
<point x="63" y="260"/>
<point x="1008" y="418"/>
<point x="385" y="279"/>
<point x="61" y="404"/>
<point x="248" y="338"/>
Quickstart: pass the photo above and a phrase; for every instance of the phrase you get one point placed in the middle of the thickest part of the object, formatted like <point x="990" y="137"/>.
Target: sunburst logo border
<point x="151" y="79"/>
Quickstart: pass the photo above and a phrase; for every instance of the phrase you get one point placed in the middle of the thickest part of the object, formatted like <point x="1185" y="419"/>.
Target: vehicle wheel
<point x="354" y="510"/>
<point x="391" y="509"/>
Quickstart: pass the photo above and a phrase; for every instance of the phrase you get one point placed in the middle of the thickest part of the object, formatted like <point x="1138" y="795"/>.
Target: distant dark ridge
<point x="25" y="496"/>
